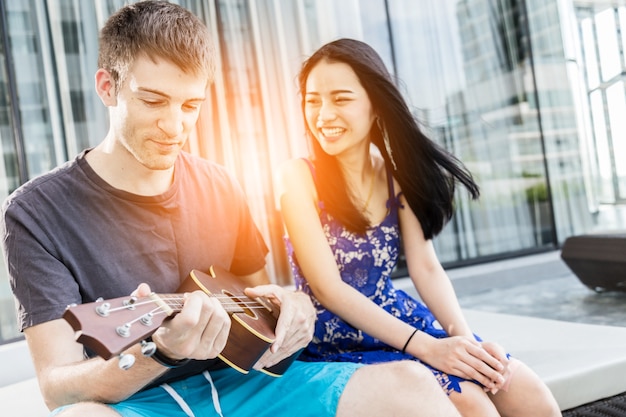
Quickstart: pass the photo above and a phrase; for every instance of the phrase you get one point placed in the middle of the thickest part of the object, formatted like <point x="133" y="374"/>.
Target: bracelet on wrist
<point x="408" y="340"/>
<point x="166" y="361"/>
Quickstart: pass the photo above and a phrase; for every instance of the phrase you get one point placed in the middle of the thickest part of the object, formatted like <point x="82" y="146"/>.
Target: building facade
<point x="529" y="94"/>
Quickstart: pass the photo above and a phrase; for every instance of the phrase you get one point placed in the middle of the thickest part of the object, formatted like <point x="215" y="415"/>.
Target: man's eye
<point x="152" y="102"/>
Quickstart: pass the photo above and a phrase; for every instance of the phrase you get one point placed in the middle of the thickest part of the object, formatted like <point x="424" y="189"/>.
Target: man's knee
<point x="91" y="409"/>
<point x="417" y="375"/>
<point x="404" y="388"/>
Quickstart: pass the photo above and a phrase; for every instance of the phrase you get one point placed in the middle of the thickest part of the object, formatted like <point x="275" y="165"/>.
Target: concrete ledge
<point x="17" y="359"/>
<point x="580" y="363"/>
<point x="19" y="391"/>
<point x="23" y="399"/>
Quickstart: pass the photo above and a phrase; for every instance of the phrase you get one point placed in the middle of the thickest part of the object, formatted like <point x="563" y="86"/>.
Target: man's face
<point x="156" y="108"/>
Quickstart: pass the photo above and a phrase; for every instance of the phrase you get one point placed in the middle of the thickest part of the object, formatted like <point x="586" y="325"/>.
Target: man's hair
<point x="155" y="29"/>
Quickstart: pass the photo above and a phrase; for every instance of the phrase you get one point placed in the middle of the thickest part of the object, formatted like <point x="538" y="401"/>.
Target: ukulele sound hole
<point x="240" y="305"/>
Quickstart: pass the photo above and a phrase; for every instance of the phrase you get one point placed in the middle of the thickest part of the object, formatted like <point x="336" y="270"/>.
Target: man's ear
<point x="105" y="87"/>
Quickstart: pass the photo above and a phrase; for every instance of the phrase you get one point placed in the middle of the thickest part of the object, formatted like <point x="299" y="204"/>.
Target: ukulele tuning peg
<point x="123" y="330"/>
<point x="103" y="309"/>
<point x="148" y="348"/>
<point x="126" y="361"/>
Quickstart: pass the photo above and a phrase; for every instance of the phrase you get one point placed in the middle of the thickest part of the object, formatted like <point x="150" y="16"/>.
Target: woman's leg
<point x="527" y="395"/>
<point x="472" y="401"/>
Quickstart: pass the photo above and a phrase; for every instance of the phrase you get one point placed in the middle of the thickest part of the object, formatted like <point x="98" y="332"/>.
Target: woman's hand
<point x="498" y="352"/>
<point x="465" y="357"/>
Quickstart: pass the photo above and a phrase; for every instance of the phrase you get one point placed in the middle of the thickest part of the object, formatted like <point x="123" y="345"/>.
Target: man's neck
<point x="121" y="170"/>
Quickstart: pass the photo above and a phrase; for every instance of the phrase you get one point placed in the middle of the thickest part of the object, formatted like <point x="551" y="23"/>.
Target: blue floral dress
<point x="366" y="263"/>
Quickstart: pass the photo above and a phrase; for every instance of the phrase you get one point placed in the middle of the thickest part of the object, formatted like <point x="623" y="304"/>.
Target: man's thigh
<point x="306" y="389"/>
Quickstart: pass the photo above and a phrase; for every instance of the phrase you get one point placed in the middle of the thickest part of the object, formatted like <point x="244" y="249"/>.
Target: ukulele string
<point x="176" y="302"/>
<point x="235" y="300"/>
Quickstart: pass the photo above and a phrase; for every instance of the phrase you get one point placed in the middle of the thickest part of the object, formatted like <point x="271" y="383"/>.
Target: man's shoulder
<point x="47" y="183"/>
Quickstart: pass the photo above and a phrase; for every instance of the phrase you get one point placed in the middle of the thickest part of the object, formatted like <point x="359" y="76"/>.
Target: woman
<point x="345" y="211"/>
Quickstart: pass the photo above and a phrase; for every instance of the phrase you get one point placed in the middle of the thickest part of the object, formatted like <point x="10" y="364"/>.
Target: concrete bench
<point x="19" y="391"/>
<point x="580" y="363"/>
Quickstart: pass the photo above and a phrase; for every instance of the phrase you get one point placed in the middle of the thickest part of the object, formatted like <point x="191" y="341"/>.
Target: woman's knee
<point x="472" y="401"/>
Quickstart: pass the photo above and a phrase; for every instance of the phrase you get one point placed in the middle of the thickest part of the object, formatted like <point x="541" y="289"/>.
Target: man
<point x="137" y="214"/>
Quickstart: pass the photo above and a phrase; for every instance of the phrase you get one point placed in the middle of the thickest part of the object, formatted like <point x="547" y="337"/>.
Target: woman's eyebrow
<point x="341" y="91"/>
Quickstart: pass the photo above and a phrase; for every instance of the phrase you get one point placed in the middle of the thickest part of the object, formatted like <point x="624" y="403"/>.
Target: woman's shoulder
<point x="296" y="164"/>
<point x="295" y="169"/>
<point x="295" y="176"/>
<point x="382" y="169"/>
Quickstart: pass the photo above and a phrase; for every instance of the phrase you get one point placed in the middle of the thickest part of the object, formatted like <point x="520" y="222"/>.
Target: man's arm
<point x="65" y="377"/>
<point x="198" y="331"/>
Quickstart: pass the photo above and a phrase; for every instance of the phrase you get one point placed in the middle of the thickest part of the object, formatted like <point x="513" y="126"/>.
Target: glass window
<point x="610" y="63"/>
<point x="602" y="146"/>
<point x="488" y="79"/>
<point x="589" y="48"/>
<point x="616" y="105"/>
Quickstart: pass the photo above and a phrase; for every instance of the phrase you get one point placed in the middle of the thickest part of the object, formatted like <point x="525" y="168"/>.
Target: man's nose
<point x="171" y="122"/>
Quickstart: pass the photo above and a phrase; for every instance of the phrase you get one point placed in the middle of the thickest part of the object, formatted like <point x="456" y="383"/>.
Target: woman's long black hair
<point x="426" y="172"/>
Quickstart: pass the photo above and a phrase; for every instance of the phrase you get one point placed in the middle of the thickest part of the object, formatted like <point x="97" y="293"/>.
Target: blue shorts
<point x="306" y="389"/>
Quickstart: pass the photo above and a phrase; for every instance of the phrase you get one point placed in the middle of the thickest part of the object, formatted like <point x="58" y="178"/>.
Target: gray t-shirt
<point x="69" y="237"/>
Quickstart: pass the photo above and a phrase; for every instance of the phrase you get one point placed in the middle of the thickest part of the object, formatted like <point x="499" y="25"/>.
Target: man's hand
<point x="295" y="326"/>
<point x="199" y="331"/>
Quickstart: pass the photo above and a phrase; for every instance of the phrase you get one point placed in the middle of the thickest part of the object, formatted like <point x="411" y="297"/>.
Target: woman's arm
<point x="435" y="289"/>
<point x="298" y="202"/>
<point x="428" y="276"/>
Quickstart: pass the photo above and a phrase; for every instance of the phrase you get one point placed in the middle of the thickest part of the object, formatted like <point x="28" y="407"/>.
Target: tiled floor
<point x="539" y="286"/>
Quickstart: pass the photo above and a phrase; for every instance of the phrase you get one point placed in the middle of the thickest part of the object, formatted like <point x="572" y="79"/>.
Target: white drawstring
<point x="183" y="404"/>
<point x="216" y="398"/>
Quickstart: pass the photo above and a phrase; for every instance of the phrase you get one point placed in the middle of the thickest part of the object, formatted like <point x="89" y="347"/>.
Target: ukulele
<point x="109" y="327"/>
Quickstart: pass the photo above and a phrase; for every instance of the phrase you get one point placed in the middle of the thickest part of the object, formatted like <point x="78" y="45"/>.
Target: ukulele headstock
<point x="109" y="327"/>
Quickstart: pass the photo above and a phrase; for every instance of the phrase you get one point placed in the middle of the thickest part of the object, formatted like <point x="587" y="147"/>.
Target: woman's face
<point x="337" y="108"/>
